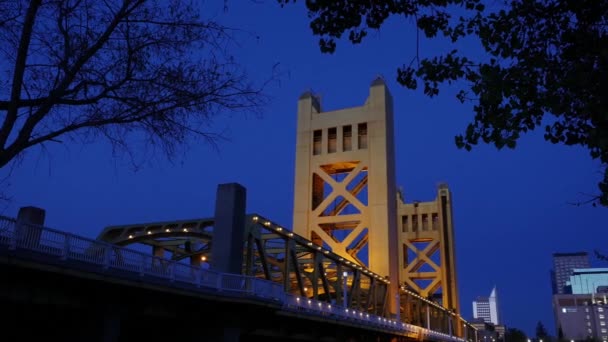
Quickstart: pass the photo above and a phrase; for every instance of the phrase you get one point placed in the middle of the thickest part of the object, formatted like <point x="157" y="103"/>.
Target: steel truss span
<point x="300" y="267"/>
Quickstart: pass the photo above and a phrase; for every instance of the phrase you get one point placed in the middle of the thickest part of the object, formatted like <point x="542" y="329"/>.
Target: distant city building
<point x="563" y="266"/>
<point x="486" y="331"/>
<point x="487" y="308"/>
<point x="588" y="280"/>
<point x="581" y="316"/>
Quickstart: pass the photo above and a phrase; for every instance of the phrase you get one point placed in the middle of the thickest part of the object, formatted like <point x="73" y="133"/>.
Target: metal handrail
<point x="16" y="236"/>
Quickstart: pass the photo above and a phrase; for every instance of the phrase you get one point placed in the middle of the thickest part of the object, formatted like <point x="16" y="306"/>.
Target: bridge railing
<point x="49" y="245"/>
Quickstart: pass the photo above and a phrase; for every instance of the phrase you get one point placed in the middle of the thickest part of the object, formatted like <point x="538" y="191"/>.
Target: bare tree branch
<point x="116" y="69"/>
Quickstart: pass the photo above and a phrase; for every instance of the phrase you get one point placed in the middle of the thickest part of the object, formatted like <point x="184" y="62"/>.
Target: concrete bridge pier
<point x="29" y="219"/>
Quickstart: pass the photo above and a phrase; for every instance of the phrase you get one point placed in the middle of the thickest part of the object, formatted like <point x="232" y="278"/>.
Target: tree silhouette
<point x="120" y="69"/>
<point x="546" y="65"/>
<point x="541" y="332"/>
<point x="515" y="335"/>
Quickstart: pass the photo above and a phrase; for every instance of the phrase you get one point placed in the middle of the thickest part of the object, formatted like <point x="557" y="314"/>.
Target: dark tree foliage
<point x="541" y="332"/>
<point x="515" y="335"/>
<point x="547" y="64"/>
<point x="152" y="70"/>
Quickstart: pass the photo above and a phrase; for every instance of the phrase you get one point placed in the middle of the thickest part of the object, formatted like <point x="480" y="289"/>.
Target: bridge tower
<point x="344" y="189"/>
<point x="427" y="257"/>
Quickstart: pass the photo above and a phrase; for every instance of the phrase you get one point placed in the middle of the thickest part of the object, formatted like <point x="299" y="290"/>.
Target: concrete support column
<point x="229" y="228"/>
<point x="29" y="221"/>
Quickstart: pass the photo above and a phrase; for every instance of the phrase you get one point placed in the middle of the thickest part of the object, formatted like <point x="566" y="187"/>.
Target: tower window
<point x="404" y="223"/>
<point x="435" y="221"/>
<point x="331" y="142"/>
<point x="347" y="138"/>
<point x="425" y="222"/>
<point x="362" y="131"/>
<point x="414" y="223"/>
<point x="316" y="142"/>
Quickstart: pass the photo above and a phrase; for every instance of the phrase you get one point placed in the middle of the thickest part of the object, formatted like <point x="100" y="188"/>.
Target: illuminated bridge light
<point x="326" y="252"/>
<point x="289" y="234"/>
<point x="130" y="236"/>
<point x="329" y="306"/>
<point x="149" y="232"/>
<point x="267" y="223"/>
<point x="310" y="243"/>
<point x="309" y="301"/>
<point x="203" y="258"/>
<point x="185" y="229"/>
<point x="297" y="299"/>
<point x="319" y="248"/>
<point x="167" y="230"/>
<point x="279" y="229"/>
<point x="255" y="218"/>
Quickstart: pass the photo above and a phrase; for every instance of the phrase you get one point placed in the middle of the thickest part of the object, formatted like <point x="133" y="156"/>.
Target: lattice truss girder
<point x="270" y="252"/>
<point x="344" y="233"/>
<point x="182" y="239"/>
<point x="427" y="254"/>
<point x="308" y="270"/>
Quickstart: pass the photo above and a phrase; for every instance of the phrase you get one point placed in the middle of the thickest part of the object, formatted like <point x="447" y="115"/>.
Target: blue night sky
<point x="511" y="207"/>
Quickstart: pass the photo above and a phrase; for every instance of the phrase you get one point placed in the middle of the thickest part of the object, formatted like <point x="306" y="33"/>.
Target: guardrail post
<point x="172" y="271"/>
<point x="197" y="277"/>
<point x="13" y="243"/>
<point x="142" y="265"/>
<point x="66" y="247"/>
<point x="218" y="285"/>
<point x="106" y="257"/>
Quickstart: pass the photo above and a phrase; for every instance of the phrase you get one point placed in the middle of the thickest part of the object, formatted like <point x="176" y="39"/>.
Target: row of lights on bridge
<point x="167" y="230"/>
<point x="325" y="251"/>
<point x="434" y="304"/>
<point x="366" y="315"/>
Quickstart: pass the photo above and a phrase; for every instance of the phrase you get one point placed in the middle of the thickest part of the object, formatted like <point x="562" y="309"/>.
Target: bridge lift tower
<point x="346" y="199"/>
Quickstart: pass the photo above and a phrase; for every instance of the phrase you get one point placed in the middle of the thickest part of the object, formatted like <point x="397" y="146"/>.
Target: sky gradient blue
<point x="511" y="208"/>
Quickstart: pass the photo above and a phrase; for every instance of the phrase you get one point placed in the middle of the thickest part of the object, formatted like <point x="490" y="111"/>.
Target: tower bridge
<point x="356" y="254"/>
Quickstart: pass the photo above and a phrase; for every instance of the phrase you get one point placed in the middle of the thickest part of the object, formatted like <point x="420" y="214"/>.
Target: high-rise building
<point x="563" y="267"/>
<point x="588" y="280"/>
<point x="487" y="308"/>
<point x="582" y="314"/>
